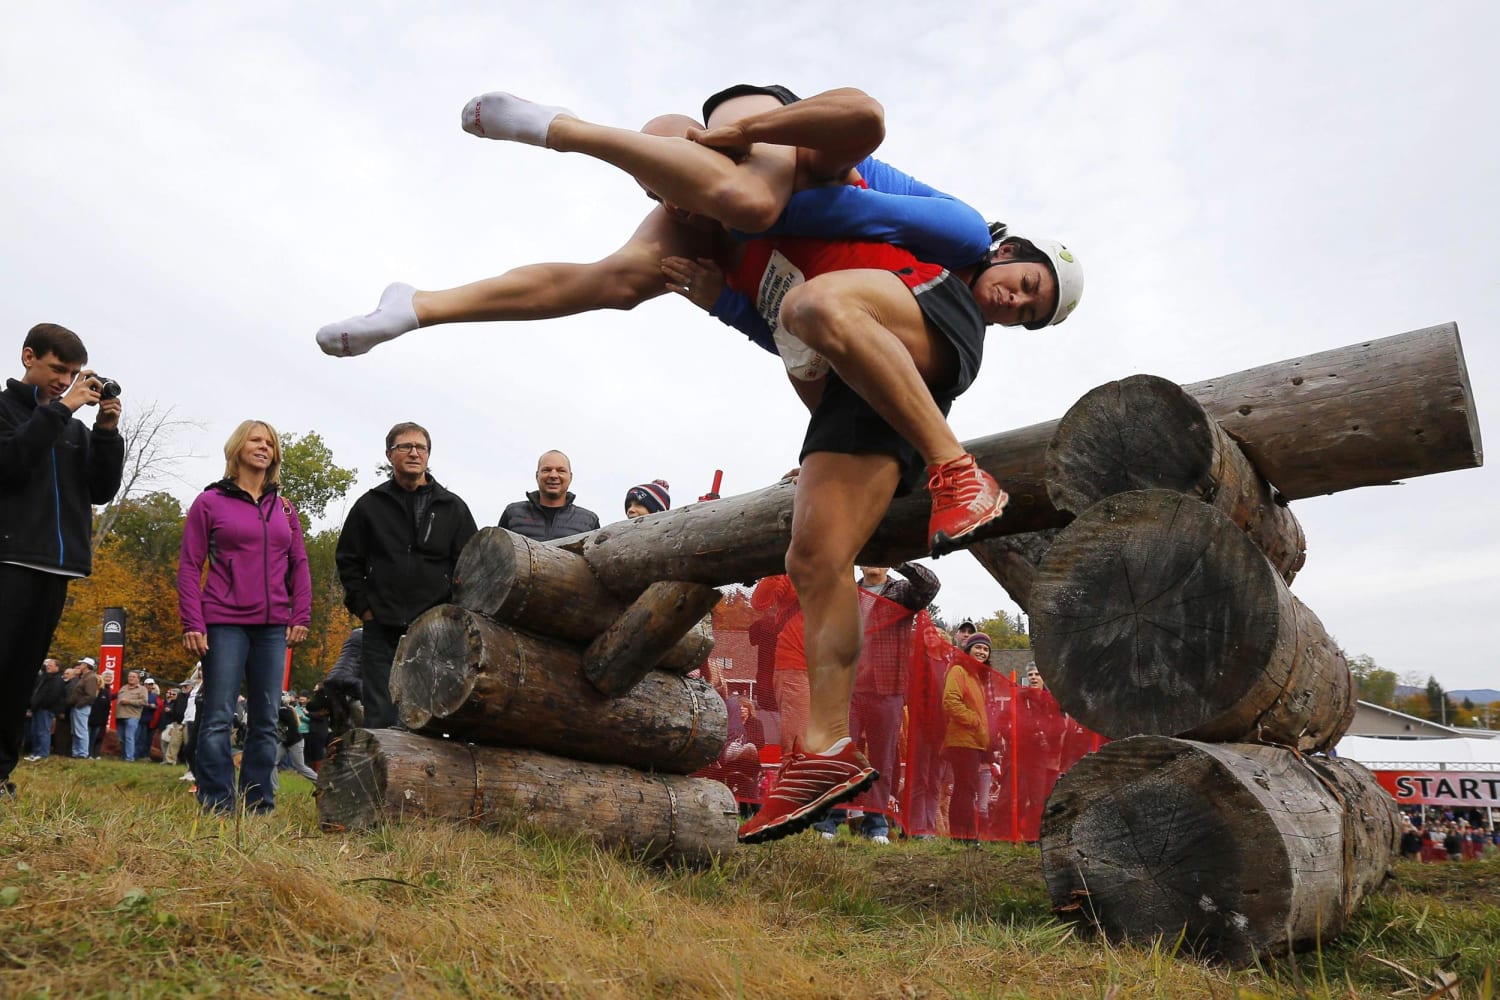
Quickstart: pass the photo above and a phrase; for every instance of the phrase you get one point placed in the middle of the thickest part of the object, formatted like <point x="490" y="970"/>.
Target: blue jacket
<point x="53" y="470"/>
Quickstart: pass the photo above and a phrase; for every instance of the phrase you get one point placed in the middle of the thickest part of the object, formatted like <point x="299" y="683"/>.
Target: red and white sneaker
<point x="808" y="786"/>
<point x="964" y="497"/>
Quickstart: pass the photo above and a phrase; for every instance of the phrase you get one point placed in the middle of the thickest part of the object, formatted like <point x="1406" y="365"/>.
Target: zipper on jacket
<point x="431" y="518"/>
<point x="57" y="510"/>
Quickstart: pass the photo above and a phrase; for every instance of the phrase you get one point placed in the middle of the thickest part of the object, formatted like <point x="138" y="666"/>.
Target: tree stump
<point x="1144" y="433"/>
<point x="374" y="776"/>
<point x="1153" y="613"/>
<point x="1245" y="850"/>
<point x="457" y="673"/>
<point x="623" y="653"/>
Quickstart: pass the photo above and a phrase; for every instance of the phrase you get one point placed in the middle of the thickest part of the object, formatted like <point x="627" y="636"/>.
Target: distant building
<point x="1371" y="719"/>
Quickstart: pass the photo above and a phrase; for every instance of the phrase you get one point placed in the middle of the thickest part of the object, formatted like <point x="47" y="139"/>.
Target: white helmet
<point x="1069" y="275"/>
<point x="1065" y="270"/>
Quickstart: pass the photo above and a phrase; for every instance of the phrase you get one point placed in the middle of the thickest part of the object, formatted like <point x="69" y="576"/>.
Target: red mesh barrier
<point x="963" y="750"/>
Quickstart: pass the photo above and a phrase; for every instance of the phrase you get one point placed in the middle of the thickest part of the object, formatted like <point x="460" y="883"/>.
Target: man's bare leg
<point x="870" y="328"/>
<point x="840" y="501"/>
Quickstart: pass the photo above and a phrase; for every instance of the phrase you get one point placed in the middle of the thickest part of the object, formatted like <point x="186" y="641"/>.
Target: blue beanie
<point x="653" y="496"/>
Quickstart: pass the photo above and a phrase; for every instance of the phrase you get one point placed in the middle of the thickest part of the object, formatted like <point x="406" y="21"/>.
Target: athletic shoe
<point x="187" y="777"/>
<point x="880" y="839"/>
<point x="964" y="497"/>
<point x="807" y="787"/>
<point x="32" y="759"/>
<point x="828" y="836"/>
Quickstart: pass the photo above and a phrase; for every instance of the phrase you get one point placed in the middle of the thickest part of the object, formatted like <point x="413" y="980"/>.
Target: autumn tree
<point x="311" y="480"/>
<point x="1376" y="685"/>
<point x="1005" y="632"/>
<point x="152" y="453"/>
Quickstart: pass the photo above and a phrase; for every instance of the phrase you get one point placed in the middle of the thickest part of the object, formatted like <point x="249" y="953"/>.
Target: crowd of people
<point x="1434" y="833"/>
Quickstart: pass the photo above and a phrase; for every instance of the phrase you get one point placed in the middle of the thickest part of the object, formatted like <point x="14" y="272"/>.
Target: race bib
<point x="780" y="277"/>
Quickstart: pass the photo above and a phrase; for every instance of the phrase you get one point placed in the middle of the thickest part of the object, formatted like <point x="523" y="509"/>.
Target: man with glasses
<point x="396" y="556"/>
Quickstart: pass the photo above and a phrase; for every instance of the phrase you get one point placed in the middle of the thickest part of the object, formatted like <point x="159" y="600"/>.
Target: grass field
<point x="112" y="883"/>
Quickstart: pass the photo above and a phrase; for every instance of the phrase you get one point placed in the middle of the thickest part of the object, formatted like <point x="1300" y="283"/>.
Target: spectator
<point x="129" y="704"/>
<point x="775" y="597"/>
<point x="549" y="511"/>
<point x="1411" y="842"/>
<point x="924" y="734"/>
<point x="966" y="743"/>
<point x="256" y="601"/>
<point x="755" y="730"/>
<point x="289" y="729"/>
<point x="190" y="723"/>
<point x="395" y="557"/>
<point x="55" y="470"/>
<point x="47" y="700"/>
<point x="1453" y="843"/>
<point x="1034" y="677"/>
<point x="648" y="498"/>
<point x="315" y="747"/>
<point x="150" y="725"/>
<point x="174" y="733"/>
<point x="887" y="608"/>
<point x="82" y="690"/>
<point x="338" y="696"/>
<point x="99" y="712"/>
<point x="961" y="634"/>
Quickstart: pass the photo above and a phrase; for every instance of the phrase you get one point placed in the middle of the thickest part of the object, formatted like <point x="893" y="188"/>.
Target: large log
<point x="1145" y="433"/>
<point x="1244" y="850"/>
<point x="548" y="589"/>
<point x="1362" y="415"/>
<point x="623" y="653"/>
<point x="1013" y="560"/>
<point x="385" y="775"/>
<point x="1153" y="613"/>
<point x="457" y="673"/>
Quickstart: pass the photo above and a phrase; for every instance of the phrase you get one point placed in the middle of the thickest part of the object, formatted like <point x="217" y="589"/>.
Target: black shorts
<point x="775" y="90"/>
<point x="847" y="425"/>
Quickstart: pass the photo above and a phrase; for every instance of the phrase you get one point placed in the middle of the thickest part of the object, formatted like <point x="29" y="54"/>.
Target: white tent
<point x="1463" y="753"/>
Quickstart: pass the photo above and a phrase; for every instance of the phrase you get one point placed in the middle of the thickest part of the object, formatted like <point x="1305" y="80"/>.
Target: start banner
<point x="1466" y="789"/>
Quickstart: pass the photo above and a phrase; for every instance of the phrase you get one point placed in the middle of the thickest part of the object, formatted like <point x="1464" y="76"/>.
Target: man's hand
<point x="85" y="392"/>
<point x="368" y="616"/>
<point x="295" y="634"/>
<point x="728" y="139"/>
<point x="700" y="281"/>
<point x="109" y="414"/>
<point x="195" y="643"/>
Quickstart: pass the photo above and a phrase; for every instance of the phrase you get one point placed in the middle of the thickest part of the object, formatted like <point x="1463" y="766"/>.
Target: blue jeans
<point x="41" y="733"/>
<point x="79" y="717"/>
<point x="256" y="655"/>
<point x="127" y="729"/>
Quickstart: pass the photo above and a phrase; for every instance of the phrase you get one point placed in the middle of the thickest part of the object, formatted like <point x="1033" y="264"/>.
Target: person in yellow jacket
<point x="966" y="743"/>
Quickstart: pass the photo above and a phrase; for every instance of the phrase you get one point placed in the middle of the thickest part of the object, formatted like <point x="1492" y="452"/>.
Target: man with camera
<point x="53" y="470"/>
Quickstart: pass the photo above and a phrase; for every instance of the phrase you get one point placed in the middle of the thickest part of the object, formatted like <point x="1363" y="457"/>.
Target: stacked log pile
<point x="1162" y="618"/>
<point x="541" y="697"/>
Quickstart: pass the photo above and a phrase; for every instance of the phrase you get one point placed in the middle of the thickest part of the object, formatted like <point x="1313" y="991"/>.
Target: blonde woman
<point x="239" y="618"/>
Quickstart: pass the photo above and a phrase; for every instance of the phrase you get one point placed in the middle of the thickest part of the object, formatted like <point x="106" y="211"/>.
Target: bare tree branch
<point x="152" y="455"/>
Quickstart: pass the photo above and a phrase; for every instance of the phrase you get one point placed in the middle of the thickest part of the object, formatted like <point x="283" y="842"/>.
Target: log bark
<point x="1013" y="560"/>
<point x="1367" y="414"/>
<point x="547" y="589"/>
<point x="623" y="653"/>
<point x="1245" y="850"/>
<point x="1145" y="433"/>
<point x="375" y="776"/>
<point x="460" y="674"/>
<point x="1153" y="613"/>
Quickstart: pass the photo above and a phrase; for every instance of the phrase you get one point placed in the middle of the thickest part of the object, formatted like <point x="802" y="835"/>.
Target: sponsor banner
<point x="1467" y="789"/>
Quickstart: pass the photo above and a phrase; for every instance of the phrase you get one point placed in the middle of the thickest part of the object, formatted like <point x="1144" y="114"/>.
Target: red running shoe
<point x="964" y="497"/>
<point x="808" y="786"/>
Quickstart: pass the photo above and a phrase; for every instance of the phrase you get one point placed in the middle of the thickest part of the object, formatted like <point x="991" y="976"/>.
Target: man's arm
<point x="466" y="530"/>
<point x="297" y="569"/>
<point x="26" y="444"/>
<point x="918" y="589"/>
<point x="350" y="559"/>
<point x="106" y="463"/>
<point x="833" y="130"/>
<point x="190" y="556"/>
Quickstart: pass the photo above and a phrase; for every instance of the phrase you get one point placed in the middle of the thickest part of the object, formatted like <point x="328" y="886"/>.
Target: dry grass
<point x="112" y="883"/>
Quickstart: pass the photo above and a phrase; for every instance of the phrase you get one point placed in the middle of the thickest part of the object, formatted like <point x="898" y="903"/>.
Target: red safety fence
<point x="964" y="750"/>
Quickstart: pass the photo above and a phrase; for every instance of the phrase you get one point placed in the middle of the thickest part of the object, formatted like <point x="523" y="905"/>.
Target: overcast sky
<point x="197" y="187"/>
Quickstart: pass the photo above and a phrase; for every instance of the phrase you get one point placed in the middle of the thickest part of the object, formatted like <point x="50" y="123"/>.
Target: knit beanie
<point x="976" y="639"/>
<point x="653" y="496"/>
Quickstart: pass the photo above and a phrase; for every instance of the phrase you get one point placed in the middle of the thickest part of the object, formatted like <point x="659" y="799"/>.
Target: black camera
<point x="108" y="387"/>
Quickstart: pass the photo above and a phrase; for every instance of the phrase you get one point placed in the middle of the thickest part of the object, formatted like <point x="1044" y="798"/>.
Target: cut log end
<point x="434" y="673"/>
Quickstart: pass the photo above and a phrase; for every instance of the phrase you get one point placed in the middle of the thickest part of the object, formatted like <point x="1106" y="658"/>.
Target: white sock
<point x="836" y="748"/>
<point x="357" y="334"/>
<point x="499" y="115"/>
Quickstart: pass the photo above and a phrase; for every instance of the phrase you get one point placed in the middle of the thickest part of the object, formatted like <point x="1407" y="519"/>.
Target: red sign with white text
<point x="1468" y="789"/>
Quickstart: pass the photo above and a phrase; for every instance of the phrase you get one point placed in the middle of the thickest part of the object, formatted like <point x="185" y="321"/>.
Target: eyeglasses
<point x="420" y="449"/>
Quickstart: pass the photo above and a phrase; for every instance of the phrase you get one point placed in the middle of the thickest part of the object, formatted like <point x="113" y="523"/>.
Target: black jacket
<point x="50" y="694"/>
<point x="528" y="517"/>
<point x="53" y="470"/>
<point x="391" y="568"/>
